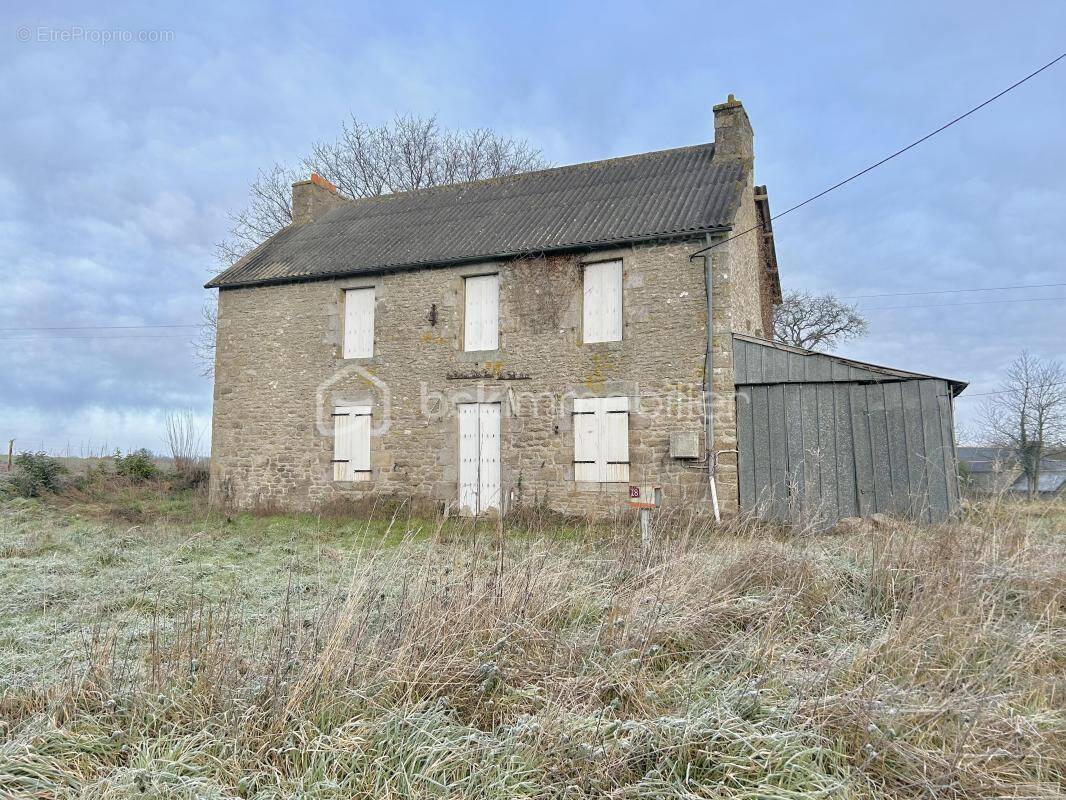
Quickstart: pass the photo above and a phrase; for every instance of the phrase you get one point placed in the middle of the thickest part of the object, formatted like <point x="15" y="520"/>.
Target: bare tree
<point x="817" y="322"/>
<point x="203" y="346"/>
<point x="1027" y="415"/>
<point x="366" y="161"/>
<point x="183" y="438"/>
<point x="269" y="210"/>
<point x="414" y="153"/>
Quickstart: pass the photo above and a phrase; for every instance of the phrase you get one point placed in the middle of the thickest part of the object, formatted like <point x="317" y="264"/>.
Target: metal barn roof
<point x="653" y="195"/>
<point x="758" y="360"/>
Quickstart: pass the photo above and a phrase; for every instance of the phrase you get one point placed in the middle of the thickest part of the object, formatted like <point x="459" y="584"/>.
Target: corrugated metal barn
<point x="828" y="437"/>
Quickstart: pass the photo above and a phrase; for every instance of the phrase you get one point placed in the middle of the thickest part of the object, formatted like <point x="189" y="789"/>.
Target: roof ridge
<point x="445" y="187"/>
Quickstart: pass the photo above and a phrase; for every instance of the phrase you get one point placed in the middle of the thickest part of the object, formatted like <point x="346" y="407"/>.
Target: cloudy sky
<point x="119" y="161"/>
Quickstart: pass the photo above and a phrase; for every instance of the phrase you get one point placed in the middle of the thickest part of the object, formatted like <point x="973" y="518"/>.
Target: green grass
<point x="150" y="647"/>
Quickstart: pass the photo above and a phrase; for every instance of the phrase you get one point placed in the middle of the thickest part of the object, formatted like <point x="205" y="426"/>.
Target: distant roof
<point x="622" y="200"/>
<point x="1047" y="482"/>
<point x="986" y="459"/>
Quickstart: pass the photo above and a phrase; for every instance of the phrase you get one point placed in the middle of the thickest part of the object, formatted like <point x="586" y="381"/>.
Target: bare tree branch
<point x="203" y="346"/>
<point x="269" y="210"/>
<point x="817" y="322"/>
<point x="365" y="161"/>
<point x="1027" y="415"/>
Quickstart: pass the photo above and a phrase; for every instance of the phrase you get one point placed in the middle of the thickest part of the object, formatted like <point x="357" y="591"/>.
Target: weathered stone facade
<point x="279" y="372"/>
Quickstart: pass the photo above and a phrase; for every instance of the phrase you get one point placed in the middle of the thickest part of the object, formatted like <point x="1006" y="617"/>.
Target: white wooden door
<point x="489" y="457"/>
<point x="479" y="458"/>
<point x="469" y="447"/>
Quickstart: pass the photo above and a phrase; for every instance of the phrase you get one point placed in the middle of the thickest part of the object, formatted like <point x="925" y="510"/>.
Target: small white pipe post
<point x="714" y="498"/>
<point x="645" y="528"/>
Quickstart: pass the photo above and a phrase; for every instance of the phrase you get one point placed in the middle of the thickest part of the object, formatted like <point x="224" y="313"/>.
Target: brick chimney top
<point x="313" y="198"/>
<point x="318" y="180"/>
<point x="732" y="131"/>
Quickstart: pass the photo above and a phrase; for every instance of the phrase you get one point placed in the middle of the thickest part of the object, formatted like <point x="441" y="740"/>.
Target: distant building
<point x="996" y="469"/>
<point x="988" y="469"/>
<point x="1051" y="481"/>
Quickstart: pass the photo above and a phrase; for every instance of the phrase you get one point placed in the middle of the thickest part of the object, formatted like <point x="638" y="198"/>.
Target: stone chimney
<point x="311" y="199"/>
<point x="732" y="131"/>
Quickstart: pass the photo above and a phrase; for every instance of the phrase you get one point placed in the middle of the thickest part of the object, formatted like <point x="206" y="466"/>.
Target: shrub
<point x="35" y="474"/>
<point x="137" y="465"/>
<point x="192" y="476"/>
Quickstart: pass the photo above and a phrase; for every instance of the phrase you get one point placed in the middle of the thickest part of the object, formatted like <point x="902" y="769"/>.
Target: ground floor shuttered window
<point x="351" y="443"/>
<point x="601" y="439"/>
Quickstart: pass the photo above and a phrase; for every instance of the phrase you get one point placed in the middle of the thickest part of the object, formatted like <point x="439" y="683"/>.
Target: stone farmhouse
<point x="547" y="339"/>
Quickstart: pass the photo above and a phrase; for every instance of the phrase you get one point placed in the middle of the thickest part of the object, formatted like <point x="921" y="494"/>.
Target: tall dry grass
<point x="907" y="662"/>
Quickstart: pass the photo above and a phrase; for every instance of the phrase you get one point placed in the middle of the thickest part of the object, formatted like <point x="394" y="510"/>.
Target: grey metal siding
<point x="759" y="363"/>
<point x="829" y="439"/>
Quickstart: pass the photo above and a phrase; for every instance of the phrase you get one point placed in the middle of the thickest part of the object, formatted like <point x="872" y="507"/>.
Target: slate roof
<point x="987" y="459"/>
<point x="649" y="196"/>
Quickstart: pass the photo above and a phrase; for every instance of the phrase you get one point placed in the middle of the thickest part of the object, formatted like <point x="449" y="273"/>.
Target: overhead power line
<point x="89" y="338"/>
<point x="967" y="303"/>
<point x="888" y="158"/>
<point x="951" y="291"/>
<point x="100" y="327"/>
<point x="969" y="395"/>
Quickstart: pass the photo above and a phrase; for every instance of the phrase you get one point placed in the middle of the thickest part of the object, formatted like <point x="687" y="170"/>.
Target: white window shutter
<point x="612" y="301"/>
<point x="587" y="462"/>
<point x="359" y="323"/>
<point x="592" y="303"/>
<point x="602" y="313"/>
<point x="481" y="330"/>
<point x="471" y="314"/>
<point x="491" y="299"/>
<point x="351" y="443"/>
<point x="601" y="439"/>
<point x="616" y="429"/>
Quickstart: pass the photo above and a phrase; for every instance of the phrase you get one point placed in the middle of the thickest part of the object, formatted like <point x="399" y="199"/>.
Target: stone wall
<point x="278" y="374"/>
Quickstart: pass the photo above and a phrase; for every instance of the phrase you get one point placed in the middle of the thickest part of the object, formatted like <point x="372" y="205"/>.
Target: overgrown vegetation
<point x="137" y="465"/>
<point x="36" y="473"/>
<point x="199" y="655"/>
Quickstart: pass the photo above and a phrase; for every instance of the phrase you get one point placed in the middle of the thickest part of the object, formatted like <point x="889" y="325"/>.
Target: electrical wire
<point x="969" y="395"/>
<point x="968" y="303"/>
<point x="99" y="327"/>
<point x="88" y="338"/>
<point x="951" y="291"/>
<point x="886" y="159"/>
